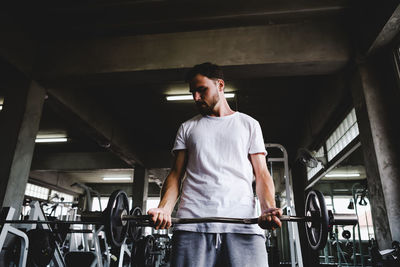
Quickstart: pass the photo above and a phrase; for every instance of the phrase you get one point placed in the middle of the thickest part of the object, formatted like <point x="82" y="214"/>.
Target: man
<point x="220" y="151"/>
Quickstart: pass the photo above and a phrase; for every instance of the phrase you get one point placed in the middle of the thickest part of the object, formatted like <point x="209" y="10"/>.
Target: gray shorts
<point x="210" y="249"/>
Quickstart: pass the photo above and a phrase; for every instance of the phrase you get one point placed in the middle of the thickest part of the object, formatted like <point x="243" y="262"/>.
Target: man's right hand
<point x="160" y="217"/>
<point x="269" y="219"/>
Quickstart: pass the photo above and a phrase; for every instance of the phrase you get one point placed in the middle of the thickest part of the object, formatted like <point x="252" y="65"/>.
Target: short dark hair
<point x="211" y="71"/>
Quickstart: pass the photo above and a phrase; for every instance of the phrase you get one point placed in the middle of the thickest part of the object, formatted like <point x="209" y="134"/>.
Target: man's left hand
<point x="269" y="219"/>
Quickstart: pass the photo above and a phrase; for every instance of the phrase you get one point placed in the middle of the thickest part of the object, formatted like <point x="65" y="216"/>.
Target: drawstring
<point x="217" y="240"/>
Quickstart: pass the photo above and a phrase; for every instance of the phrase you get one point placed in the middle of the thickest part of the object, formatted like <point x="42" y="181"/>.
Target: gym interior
<point x="92" y="94"/>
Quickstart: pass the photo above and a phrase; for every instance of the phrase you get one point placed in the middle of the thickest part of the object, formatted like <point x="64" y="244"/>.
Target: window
<point x="152" y="202"/>
<point x="104" y="203"/>
<point x="346" y="132"/>
<point x="36" y="191"/>
<point x="96" y="204"/>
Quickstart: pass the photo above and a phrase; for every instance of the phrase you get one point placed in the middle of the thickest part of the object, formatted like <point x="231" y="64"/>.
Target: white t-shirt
<point x="219" y="173"/>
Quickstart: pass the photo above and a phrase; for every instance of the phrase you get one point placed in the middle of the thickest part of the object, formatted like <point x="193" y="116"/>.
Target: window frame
<point x="339" y="157"/>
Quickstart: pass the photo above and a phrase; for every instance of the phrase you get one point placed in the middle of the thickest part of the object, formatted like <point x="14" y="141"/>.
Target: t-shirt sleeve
<point x="257" y="141"/>
<point x="180" y="140"/>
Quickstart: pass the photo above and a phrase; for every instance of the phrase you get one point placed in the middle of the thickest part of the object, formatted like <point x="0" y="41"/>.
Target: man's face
<point x="205" y="93"/>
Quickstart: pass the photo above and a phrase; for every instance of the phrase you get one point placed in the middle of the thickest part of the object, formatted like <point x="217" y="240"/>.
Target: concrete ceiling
<point x="92" y="18"/>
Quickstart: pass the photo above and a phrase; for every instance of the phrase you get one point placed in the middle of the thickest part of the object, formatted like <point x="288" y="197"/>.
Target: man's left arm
<point x="265" y="190"/>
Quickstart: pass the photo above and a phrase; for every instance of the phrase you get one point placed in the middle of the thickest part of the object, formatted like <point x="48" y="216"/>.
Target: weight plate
<point x="135" y="230"/>
<point x="317" y="230"/>
<point x="115" y="228"/>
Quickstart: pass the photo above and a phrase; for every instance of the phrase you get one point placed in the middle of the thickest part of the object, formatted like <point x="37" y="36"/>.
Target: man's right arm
<point x="161" y="216"/>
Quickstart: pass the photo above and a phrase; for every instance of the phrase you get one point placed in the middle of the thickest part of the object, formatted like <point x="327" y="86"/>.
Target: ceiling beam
<point x="314" y="48"/>
<point x="389" y="31"/>
<point x="143" y="17"/>
<point x="107" y="189"/>
<point x="83" y="112"/>
<point x="156" y="159"/>
<point x="52" y="180"/>
<point x="77" y="162"/>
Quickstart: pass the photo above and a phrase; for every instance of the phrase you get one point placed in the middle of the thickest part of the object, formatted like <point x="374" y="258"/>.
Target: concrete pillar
<point x="19" y="122"/>
<point x="374" y="104"/>
<point x="140" y="187"/>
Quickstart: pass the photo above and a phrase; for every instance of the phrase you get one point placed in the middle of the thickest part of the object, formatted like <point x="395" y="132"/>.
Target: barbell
<point x="118" y="223"/>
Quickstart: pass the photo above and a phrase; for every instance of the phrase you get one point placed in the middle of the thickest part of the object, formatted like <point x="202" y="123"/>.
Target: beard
<point x="207" y="109"/>
<point x="203" y="108"/>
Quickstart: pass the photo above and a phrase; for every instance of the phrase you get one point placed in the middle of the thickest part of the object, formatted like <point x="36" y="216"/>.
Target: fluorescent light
<point x="51" y="137"/>
<point x="190" y="97"/>
<point x="51" y="140"/>
<point x="117" y="178"/>
<point x="343" y="175"/>
<point x="229" y="95"/>
<point x="1" y="107"/>
<point x="179" y="97"/>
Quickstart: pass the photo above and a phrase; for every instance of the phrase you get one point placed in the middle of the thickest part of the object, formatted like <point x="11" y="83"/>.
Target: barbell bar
<point x="145" y="220"/>
<point x="339" y="219"/>
<point x="318" y="220"/>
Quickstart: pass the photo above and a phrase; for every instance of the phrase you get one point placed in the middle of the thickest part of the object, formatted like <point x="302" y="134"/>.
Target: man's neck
<point x="222" y="110"/>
